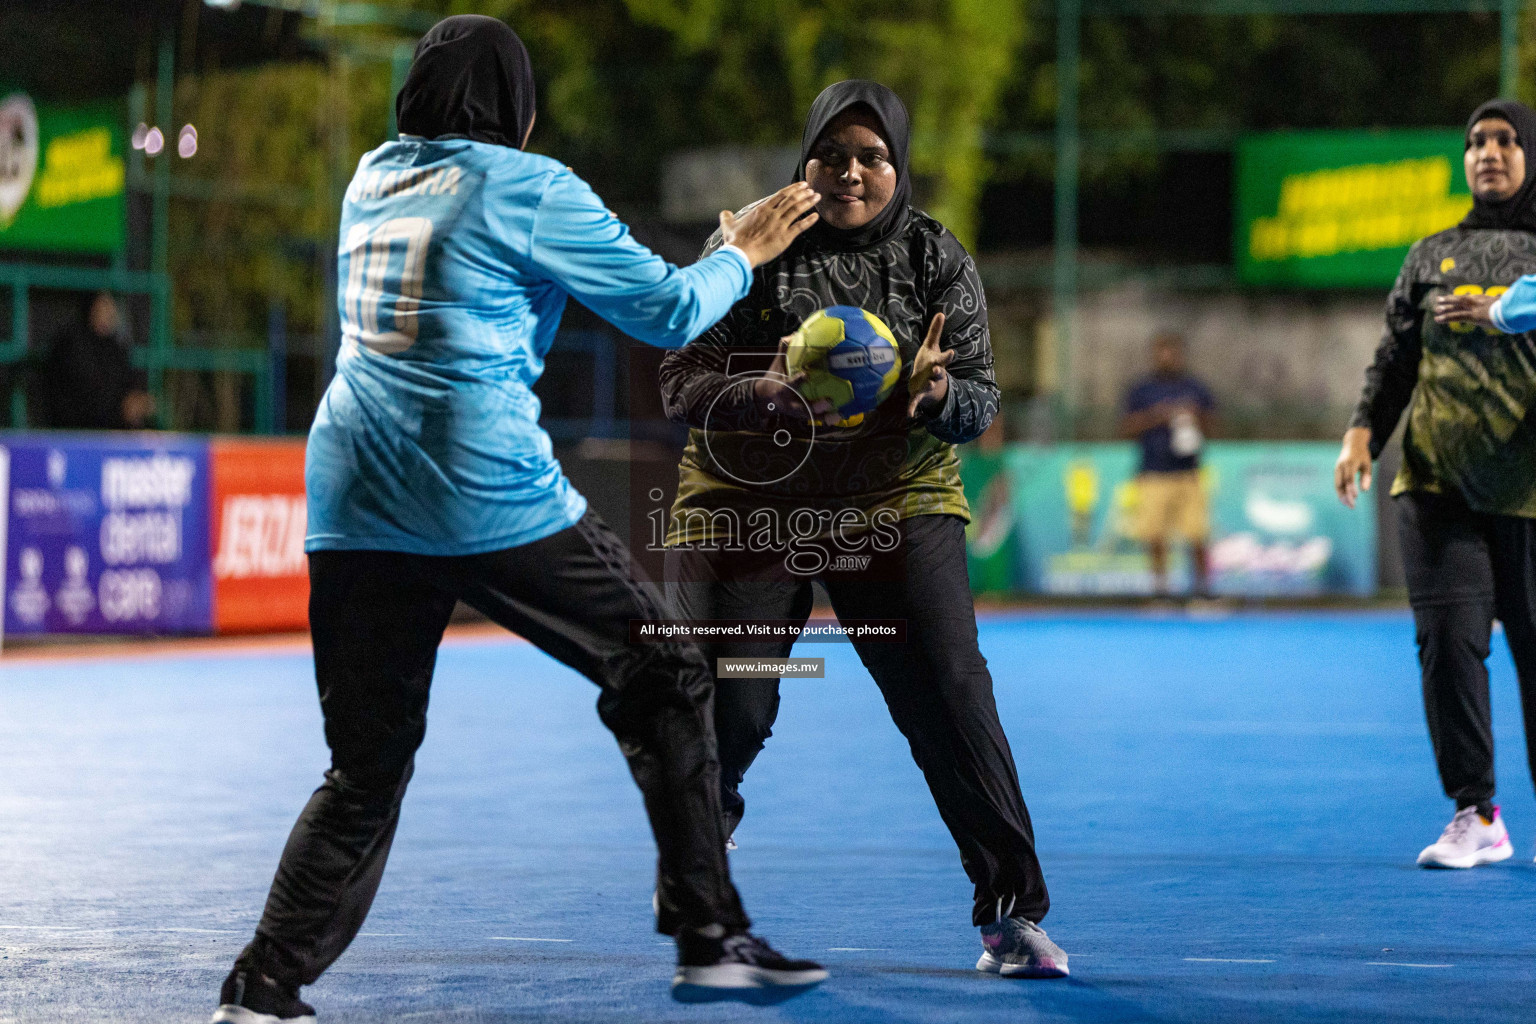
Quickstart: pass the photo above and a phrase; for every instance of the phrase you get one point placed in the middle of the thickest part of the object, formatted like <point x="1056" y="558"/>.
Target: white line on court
<point x="857" y="949"/>
<point x="76" y="928"/>
<point x="1223" y="960"/>
<point x="525" y="938"/>
<point x="1393" y="963"/>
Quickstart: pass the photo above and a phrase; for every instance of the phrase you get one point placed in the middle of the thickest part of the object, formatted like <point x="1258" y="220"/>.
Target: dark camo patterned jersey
<point x="1470" y="391"/>
<point x="741" y="459"/>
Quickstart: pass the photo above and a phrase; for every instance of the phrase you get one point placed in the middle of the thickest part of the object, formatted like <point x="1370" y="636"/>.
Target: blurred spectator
<point x="87" y="380"/>
<point x="1170" y="414"/>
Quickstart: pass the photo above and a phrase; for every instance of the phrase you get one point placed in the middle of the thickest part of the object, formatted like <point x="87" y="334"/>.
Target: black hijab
<point x="1518" y="212"/>
<point x="470" y="79"/>
<point x="892" y="115"/>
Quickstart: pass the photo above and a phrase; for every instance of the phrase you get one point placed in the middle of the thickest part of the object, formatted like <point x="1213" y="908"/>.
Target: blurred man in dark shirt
<point x="87" y="380"/>
<point x="1170" y="414"/>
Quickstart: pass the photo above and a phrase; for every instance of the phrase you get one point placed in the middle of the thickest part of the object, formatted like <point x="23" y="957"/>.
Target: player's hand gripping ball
<point x="848" y="356"/>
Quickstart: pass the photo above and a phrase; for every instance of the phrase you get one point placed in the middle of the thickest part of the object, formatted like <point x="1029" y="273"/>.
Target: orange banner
<point x="260" y="575"/>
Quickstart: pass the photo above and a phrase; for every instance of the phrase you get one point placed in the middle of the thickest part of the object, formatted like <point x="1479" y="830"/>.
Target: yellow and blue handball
<point x="849" y="357"/>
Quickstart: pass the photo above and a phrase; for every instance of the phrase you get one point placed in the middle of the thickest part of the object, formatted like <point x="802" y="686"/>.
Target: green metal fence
<point x="1068" y="141"/>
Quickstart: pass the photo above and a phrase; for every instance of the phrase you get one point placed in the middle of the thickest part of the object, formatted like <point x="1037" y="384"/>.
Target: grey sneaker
<point x="713" y="964"/>
<point x="250" y="997"/>
<point x="1016" y="948"/>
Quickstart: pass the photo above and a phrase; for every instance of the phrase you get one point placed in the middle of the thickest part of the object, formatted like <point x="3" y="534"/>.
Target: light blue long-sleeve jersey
<point x="455" y="262"/>
<point x="1514" y="312"/>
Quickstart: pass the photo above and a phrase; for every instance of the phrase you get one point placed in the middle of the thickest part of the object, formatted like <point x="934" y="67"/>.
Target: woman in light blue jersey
<point x="430" y="481"/>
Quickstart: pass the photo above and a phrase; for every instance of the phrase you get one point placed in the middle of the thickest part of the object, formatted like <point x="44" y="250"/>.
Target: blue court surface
<point x="1227" y="809"/>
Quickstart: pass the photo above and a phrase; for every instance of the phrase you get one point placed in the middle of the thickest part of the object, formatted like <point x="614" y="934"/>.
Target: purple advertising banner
<point x="107" y="534"/>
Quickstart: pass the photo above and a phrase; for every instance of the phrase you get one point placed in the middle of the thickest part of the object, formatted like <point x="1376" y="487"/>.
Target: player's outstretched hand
<point x="1465" y="309"/>
<point x="765" y="229"/>
<point x="777" y="394"/>
<point x="929" y="386"/>
<point x="1354" y="465"/>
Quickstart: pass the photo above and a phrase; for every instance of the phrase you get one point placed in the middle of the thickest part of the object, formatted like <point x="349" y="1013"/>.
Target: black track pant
<point x="936" y="685"/>
<point x="1464" y="570"/>
<point x="377" y="618"/>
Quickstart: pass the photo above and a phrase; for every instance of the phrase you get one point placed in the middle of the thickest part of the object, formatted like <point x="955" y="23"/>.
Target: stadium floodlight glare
<point x="223" y="5"/>
<point x="140" y="134"/>
<point x="186" y="142"/>
<point x="154" y="142"/>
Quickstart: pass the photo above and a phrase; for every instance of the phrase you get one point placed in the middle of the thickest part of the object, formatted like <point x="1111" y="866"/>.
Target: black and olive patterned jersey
<point x="741" y="458"/>
<point x="1469" y="390"/>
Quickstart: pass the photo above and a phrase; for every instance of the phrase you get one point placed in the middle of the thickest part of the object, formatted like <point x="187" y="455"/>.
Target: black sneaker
<point x="250" y="997"/>
<point x="737" y="966"/>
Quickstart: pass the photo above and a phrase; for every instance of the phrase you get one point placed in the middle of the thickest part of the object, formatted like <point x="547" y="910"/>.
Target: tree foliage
<point x="623" y="83"/>
<point x="948" y="59"/>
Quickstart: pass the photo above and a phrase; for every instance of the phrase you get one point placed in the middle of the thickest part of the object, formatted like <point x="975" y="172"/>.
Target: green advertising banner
<point x="1276" y="527"/>
<point x="1339" y="209"/>
<point x="991" y="540"/>
<point x="61" y="176"/>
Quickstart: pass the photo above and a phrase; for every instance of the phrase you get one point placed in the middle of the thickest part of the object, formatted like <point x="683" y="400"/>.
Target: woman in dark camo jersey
<point x="874" y="508"/>
<point x="1466" y="494"/>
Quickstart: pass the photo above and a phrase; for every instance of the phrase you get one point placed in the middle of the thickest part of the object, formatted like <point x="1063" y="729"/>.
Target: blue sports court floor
<point x="1228" y="812"/>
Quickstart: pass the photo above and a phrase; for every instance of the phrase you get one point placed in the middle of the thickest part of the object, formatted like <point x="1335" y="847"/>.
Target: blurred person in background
<point x="1466" y="493"/>
<point x="86" y="379"/>
<point x="429" y="480"/>
<point x="1170" y="414"/>
<point x="751" y="454"/>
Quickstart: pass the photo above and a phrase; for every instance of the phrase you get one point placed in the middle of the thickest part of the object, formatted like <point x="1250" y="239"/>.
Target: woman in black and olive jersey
<point x="872" y="509"/>
<point x="1466" y="494"/>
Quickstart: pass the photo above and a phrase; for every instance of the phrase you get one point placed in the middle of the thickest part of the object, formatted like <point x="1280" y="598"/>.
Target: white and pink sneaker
<point x="1017" y="948"/>
<point x="1469" y="841"/>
